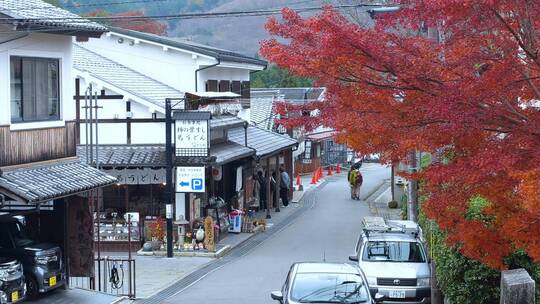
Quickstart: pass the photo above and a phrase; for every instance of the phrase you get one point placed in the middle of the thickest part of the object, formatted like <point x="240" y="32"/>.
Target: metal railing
<point x="114" y="276"/>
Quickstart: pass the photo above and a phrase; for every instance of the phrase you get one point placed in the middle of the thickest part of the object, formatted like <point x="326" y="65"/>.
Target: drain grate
<point x="237" y="252"/>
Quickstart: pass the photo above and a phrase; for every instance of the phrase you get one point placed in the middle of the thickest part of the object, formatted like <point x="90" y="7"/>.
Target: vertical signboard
<point x="192" y="134"/>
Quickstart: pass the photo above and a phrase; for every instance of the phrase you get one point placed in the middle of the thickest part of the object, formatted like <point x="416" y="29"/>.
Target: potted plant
<point x="157" y="233"/>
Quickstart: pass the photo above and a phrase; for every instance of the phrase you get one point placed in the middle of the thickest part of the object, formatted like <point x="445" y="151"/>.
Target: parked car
<point x="312" y="282"/>
<point x="12" y="285"/>
<point x="42" y="262"/>
<point x="393" y="256"/>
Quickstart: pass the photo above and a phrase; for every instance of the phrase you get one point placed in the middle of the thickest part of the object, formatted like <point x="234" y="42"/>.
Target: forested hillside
<point x="241" y="34"/>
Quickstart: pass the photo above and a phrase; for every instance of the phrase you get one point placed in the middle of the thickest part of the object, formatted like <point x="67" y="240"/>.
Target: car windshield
<point x="21" y="235"/>
<point x="393" y="251"/>
<point x="329" y="288"/>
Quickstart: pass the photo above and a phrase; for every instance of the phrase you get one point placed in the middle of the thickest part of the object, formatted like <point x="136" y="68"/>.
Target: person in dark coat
<point x="284" y="186"/>
<point x="262" y="192"/>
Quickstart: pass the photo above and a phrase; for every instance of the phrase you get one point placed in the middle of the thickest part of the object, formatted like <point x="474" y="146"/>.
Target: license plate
<point x="397" y="294"/>
<point x="14" y="296"/>
<point x="52" y="281"/>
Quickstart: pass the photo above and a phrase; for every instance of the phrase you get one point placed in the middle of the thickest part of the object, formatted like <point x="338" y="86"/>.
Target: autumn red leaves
<point x="458" y="79"/>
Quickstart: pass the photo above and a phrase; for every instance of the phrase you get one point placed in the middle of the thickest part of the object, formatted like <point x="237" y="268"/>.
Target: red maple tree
<point x="471" y="98"/>
<point x="141" y="25"/>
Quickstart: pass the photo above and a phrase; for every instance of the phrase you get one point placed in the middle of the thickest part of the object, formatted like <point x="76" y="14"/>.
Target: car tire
<point x="32" y="288"/>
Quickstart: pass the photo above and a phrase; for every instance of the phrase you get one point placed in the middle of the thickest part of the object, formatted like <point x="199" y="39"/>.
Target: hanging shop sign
<point x="145" y="176"/>
<point x="217" y="173"/>
<point x="307" y="152"/>
<point x="192" y="133"/>
<point x="190" y="179"/>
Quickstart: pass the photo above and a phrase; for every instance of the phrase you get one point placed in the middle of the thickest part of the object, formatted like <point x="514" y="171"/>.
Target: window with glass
<point x="329" y="288"/>
<point x="390" y="251"/>
<point x="35" y="84"/>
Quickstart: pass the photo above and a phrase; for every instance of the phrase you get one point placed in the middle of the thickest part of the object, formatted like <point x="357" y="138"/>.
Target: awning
<point x="218" y="95"/>
<point x="41" y="182"/>
<point x="263" y="141"/>
<point x="226" y="122"/>
<point x="227" y="152"/>
<point x="321" y="136"/>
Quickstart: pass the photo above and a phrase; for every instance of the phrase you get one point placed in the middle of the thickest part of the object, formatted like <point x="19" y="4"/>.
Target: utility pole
<point x="412" y="212"/>
<point x="169" y="169"/>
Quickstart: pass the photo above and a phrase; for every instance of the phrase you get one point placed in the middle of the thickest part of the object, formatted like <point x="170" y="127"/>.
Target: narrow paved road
<point x="329" y="230"/>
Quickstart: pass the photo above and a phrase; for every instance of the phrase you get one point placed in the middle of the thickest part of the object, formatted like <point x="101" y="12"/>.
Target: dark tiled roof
<point x="123" y="77"/>
<point x="226" y="122"/>
<point x="128" y="155"/>
<point x="192" y="115"/>
<point x="263" y="141"/>
<point x="44" y="182"/>
<point x="217" y="53"/>
<point x="37" y="14"/>
<point x="154" y="155"/>
<point x="262" y="111"/>
<point x="229" y="151"/>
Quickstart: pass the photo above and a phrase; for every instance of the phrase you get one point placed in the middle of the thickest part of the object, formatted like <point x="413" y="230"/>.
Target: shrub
<point x="392" y="204"/>
<point x="466" y="281"/>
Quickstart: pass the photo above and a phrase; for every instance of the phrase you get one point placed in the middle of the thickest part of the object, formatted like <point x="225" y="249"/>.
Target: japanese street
<point x="326" y="230"/>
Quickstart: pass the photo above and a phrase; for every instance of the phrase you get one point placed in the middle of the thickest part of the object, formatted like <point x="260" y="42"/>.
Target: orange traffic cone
<point x="298" y="183"/>
<point x="338" y="169"/>
<point x="330" y="170"/>
<point x="314" y="177"/>
<point x="320" y="174"/>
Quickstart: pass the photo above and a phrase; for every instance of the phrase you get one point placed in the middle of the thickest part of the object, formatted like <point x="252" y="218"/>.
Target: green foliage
<point x="275" y="77"/>
<point x="467" y="281"/>
<point x="425" y="161"/>
<point x="53" y="2"/>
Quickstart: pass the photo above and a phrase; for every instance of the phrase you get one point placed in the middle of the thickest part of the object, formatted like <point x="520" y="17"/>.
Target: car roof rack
<point x="376" y="224"/>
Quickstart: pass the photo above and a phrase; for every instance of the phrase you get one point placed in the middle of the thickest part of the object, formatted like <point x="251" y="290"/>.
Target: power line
<point x="112" y="3"/>
<point x="246" y="13"/>
<point x="48" y="6"/>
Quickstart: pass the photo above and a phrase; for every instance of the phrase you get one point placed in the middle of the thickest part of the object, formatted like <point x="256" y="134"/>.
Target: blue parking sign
<point x="197" y="184"/>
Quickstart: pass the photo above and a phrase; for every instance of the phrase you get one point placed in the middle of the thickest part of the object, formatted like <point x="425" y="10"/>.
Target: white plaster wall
<point x="108" y="133"/>
<point x="37" y="45"/>
<point x="221" y="73"/>
<point x="148" y="133"/>
<point x="172" y="67"/>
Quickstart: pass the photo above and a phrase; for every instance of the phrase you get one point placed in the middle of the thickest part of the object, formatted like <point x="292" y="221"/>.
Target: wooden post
<point x="517" y="287"/>
<point x="268" y="192"/>
<point x="393" y="182"/>
<point x="278" y="182"/>
<point x="436" y="296"/>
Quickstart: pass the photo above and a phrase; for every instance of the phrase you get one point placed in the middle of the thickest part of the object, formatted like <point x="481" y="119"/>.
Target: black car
<point x="12" y="285"/>
<point x="42" y="262"/>
<point x="315" y="282"/>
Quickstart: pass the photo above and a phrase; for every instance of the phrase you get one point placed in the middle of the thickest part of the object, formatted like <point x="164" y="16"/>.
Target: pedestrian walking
<point x="358" y="183"/>
<point x="350" y="179"/>
<point x="284" y="186"/>
<point x="262" y="189"/>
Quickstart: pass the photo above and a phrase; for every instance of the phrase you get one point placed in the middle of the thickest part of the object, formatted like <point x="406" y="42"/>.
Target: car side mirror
<point x="379" y="298"/>
<point x="277" y="295"/>
<point x="353" y="258"/>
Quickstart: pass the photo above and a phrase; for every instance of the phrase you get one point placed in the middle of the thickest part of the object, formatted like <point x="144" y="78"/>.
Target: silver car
<point x="393" y="257"/>
<point x="325" y="283"/>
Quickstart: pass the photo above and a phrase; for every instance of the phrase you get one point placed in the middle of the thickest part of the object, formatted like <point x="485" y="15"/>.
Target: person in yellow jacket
<point x="352" y="177"/>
